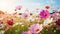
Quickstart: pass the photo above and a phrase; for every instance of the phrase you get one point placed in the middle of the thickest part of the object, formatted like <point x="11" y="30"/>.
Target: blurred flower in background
<point x="58" y="22"/>
<point x="18" y="7"/>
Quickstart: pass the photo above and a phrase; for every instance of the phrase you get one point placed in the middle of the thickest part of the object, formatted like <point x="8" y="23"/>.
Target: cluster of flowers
<point x="43" y="19"/>
<point x="47" y="21"/>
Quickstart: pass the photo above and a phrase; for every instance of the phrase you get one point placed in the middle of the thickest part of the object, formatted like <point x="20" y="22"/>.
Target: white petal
<point x="47" y="21"/>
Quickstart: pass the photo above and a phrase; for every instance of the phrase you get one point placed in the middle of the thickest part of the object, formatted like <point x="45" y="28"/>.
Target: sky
<point x="54" y="4"/>
<point x="9" y="5"/>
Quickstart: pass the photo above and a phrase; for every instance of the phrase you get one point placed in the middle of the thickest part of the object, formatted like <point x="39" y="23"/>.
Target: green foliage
<point x="50" y="30"/>
<point x="17" y="30"/>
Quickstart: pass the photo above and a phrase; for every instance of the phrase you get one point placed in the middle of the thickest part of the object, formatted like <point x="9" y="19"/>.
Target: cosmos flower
<point x="58" y="22"/>
<point x="31" y="19"/>
<point x="36" y="28"/>
<point x="10" y="22"/>
<point x="25" y="15"/>
<point x="47" y="7"/>
<point x="44" y="14"/>
<point x="18" y="7"/>
<point x="24" y="33"/>
<point x="47" y="21"/>
<point x="54" y="15"/>
<point x="14" y="13"/>
<point x="1" y="24"/>
<point x="29" y="32"/>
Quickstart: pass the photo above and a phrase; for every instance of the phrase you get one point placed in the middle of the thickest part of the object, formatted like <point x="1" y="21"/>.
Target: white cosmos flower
<point x="30" y="19"/>
<point x="47" y="21"/>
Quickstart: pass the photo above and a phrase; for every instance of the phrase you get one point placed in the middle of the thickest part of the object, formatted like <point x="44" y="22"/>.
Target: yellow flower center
<point x="44" y="14"/>
<point x="36" y="29"/>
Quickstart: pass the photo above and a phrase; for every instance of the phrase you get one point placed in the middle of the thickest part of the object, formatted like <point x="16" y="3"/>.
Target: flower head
<point x="24" y="33"/>
<point x="58" y="22"/>
<point x="54" y="15"/>
<point x="30" y="19"/>
<point x="44" y="14"/>
<point x="36" y="28"/>
<point x="29" y="32"/>
<point x="47" y="21"/>
<point x="25" y="15"/>
<point x="10" y="22"/>
<point x="47" y="7"/>
<point x="18" y="7"/>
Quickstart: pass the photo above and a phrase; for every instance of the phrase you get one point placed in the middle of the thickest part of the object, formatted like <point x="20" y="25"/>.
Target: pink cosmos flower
<point x="54" y="15"/>
<point x="25" y="15"/>
<point x="24" y="33"/>
<point x="15" y="13"/>
<point x="36" y="28"/>
<point x="18" y="7"/>
<point x="44" y="14"/>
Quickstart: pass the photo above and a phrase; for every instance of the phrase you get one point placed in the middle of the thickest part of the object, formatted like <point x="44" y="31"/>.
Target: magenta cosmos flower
<point x="36" y="28"/>
<point x="10" y="22"/>
<point x="44" y="14"/>
<point x="58" y="22"/>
